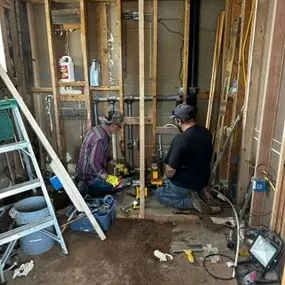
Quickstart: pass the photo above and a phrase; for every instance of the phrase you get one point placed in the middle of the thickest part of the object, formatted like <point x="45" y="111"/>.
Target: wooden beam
<point x="5" y="4"/>
<point x="247" y="12"/>
<point x="226" y="87"/>
<point x="185" y="48"/>
<point x="104" y="88"/>
<point x="73" y="84"/>
<point x="270" y="102"/>
<point x="5" y="38"/>
<point x="136" y="120"/>
<point x="54" y="80"/>
<point x="283" y="278"/>
<point x="38" y="106"/>
<point x="216" y="60"/>
<point x="83" y="40"/>
<point x="103" y="42"/>
<point x="251" y="94"/>
<point x="41" y="90"/>
<point x="73" y="98"/>
<point x="277" y="217"/>
<point x="154" y="73"/>
<point x="141" y="108"/>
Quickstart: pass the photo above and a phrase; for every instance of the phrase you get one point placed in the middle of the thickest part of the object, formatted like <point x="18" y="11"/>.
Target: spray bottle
<point x="94" y="73"/>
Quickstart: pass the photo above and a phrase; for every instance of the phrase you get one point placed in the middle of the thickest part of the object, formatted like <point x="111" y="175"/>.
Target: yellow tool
<point x="138" y="192"/>
<point x="155" y="180"/>
<point x="190" y="255"/>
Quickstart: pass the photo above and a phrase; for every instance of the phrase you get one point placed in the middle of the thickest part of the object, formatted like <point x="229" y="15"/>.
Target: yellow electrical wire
<point x="265" y="176"/>
<point x="244" y="44"/>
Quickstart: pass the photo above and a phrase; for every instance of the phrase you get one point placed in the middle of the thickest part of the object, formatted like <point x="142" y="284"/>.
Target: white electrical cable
<point x="224" y="198"/>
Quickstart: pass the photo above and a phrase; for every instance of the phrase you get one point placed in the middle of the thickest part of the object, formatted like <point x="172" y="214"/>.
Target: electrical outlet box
<point x="259" y="185"/>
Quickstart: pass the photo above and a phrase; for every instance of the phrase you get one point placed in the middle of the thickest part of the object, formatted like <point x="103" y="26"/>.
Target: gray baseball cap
<point x="113" y="117"/>
<point x="184" y="112"/>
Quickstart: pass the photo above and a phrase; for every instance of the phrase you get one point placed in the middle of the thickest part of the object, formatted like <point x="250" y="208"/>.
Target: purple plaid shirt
<point x="94" y="153"/>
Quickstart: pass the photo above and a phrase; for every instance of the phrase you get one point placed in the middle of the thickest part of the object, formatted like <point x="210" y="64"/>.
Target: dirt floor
<point x="125" y="258"/>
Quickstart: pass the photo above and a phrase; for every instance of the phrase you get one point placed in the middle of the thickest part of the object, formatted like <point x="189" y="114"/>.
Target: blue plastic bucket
<point x="27" y="211"/>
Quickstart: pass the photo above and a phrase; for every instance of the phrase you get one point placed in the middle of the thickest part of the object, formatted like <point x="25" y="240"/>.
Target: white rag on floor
<point x="162" y="256"/>
<point x="24" y="269"/>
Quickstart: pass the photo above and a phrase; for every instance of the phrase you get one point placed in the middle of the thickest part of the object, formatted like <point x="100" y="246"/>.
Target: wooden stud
<point x="226" y="40"/>
<point x="38" y="106"/>
<point x="54" y="79"/>
<point x="83" y="39"/>
<point x="120" y="74"/>
<point x="247" y="12"/>
<point x="277" y="217"/>
<point x="154" y="73"/>
<point x="103" y="42"/>
<point x="283" y="278"/>
<point x="185" y="48"/>
<point x="270" y="102"/>
<point x="141" y="108"/>
<point x="5" y="4"/>
<point x="251" y="94"/>
<point x="216" y="59"/>
<point x="226" y="86"/>
<point x="5" y="38"/>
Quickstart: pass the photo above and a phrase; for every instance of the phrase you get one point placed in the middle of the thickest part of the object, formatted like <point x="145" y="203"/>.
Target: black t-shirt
<point x="190" y="154"/>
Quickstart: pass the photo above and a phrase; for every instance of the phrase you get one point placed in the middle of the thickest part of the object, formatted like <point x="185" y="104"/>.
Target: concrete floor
<point x="126" y="257"/>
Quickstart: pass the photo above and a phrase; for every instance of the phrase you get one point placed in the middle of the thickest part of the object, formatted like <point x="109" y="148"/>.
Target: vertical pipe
<point x="193" y="53"/>
<point x="142" y="107"/>
<point x="130" y="142"/>
<point x="114" y="136"/>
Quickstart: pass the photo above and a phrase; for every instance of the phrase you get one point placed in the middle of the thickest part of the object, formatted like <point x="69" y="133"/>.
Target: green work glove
<point x="113" y="180"/>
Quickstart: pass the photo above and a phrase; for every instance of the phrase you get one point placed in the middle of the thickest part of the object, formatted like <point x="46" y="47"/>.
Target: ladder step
<point x="19" y="188"/>
<point x="26" y="230"/>
<point x="13" y="146"/>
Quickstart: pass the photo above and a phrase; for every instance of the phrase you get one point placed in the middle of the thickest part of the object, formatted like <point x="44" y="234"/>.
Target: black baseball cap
<point x="184" y="112"/>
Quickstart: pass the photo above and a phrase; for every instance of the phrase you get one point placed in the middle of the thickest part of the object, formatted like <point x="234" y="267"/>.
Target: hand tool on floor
<point x="189" y="255"/>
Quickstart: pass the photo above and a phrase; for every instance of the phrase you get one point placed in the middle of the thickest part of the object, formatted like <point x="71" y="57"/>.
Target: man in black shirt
<point x="187" y="164"/>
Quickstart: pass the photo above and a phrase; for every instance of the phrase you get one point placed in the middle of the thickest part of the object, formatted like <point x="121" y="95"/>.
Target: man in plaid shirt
<point x="94" y="156"/>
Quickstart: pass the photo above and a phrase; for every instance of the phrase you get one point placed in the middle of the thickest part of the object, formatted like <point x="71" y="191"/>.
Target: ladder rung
<point x="26" y="230"/>
<point x="19" y="188"/>
<point x="13" y="146"/>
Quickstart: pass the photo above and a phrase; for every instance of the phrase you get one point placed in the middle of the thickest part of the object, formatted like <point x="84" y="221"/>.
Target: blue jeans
<point x="174" y="196"/>
<point x="99" y="187"/>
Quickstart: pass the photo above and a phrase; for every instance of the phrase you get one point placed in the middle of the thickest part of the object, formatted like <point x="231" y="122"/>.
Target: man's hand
<point x="113" y="180"/>
<point x="169" y="171"/>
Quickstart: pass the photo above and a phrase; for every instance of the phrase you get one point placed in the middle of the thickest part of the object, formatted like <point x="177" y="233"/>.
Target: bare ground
<point x="125" y="258"/>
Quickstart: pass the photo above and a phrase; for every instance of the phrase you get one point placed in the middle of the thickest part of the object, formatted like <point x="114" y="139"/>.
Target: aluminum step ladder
<point x="35" y="181"/>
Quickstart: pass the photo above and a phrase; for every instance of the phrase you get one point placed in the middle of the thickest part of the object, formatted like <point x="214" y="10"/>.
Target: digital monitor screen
<point x="262" y="250"/>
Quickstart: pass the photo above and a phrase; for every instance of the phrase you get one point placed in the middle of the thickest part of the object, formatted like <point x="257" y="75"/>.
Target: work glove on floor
<point x="113" y="180"/>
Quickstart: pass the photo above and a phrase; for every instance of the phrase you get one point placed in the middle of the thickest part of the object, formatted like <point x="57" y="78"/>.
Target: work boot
<point x="198" y="204"/>
<point x="207" y="195"/>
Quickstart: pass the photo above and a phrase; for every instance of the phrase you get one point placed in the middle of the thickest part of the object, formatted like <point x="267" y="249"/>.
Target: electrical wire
<point x="224" y="198"/>
<point x="168" y="29"/>
<point x="244" y="43"/>
<point x="210" y="273"/>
